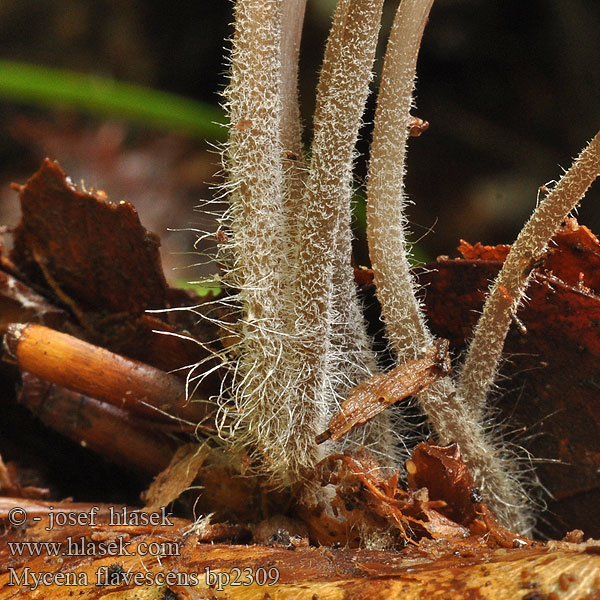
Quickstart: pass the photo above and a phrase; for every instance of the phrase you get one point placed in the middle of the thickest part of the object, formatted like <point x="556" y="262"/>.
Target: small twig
<point x="82" y="367"/>
<point x="109" y="431"/>
<point x="373" y="396"/>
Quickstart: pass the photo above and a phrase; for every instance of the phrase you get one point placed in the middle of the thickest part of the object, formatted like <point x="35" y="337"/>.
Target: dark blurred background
<point x="511" y="90"/>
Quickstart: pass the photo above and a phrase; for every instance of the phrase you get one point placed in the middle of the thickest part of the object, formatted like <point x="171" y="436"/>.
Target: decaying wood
<point x="373" y="396"/>
<point x="554" y="571"/>
<point x="82" y="367"/>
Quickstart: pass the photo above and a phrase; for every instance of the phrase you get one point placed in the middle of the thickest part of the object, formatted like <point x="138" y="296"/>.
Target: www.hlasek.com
<point x="115" y="574"/>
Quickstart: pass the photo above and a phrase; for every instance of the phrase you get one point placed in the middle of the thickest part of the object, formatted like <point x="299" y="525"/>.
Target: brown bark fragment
<point x="373" y="396"/>
<point x="177" y="477"/>
<point x="86" y="247"/>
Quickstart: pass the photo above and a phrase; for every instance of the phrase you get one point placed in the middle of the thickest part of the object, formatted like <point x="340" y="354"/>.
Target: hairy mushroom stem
<point x="494" y="469"/>
<point x="508" y="289"/>
<point x="253" y="160"/>
<point x="291" y="125"/>
<point x="386" y="222"/>
<point x="332" y="346"/>
<point x="294" y="166"/>
<point x="290" y="229"/>
<point x="396" y="289"/>
<point x="292" y="20"/>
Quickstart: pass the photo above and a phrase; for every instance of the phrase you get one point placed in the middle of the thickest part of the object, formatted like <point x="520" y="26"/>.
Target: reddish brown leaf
<point x="574" y="257"/>
<point x="95" y="258"/>
<point x="442" y="503"/>
<point x="441" y="470"/>
<point x="87" y="249"/>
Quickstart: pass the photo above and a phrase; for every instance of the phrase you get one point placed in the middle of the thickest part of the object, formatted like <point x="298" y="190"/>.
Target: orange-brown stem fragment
<point x="372" y="397"/>
<point x="82" y="367"/>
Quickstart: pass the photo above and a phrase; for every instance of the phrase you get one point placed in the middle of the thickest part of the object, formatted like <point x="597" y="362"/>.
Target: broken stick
<point x="373" y="396"/>
<point x="96" y="372"/>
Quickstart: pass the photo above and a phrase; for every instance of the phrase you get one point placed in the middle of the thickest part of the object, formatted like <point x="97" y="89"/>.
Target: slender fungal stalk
<point x="253" y="159"/>
<point x="351" y="357"/>
<point x="329" y="323"/>
<point x="294" y="167"/>
<point x="509" y="287"/>
<point x="385" y="188"/>
<point x="285" y="247"/>
<point x="405" y="324"/>
<point x="292" y="20"/>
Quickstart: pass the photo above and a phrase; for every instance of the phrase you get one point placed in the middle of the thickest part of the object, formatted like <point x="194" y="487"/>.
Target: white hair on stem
<point x="298" y="340"/>
<point x="329" y="322"/>
<point x="291" y="129"/>
<point x="253" y="161"/>
<point x="386" y="221"/>
<point x="288" y="373"/>
<point x="294" y="169"/>
<point x="508" y="289"/>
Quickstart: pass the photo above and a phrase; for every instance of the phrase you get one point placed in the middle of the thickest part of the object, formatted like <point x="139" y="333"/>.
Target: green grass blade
<point x="60" y="88"/>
